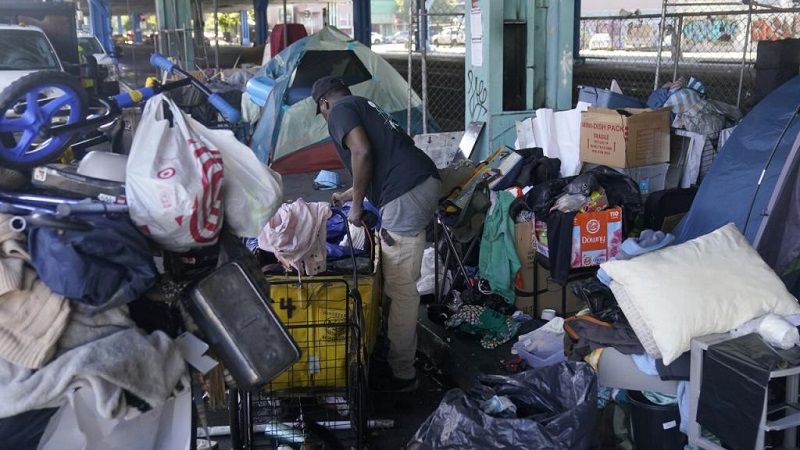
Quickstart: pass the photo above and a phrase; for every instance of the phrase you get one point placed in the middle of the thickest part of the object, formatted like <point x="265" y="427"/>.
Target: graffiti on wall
<point x="477" y="95"/>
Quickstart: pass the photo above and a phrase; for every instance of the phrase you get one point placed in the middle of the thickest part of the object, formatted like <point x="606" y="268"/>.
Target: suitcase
<point x="664" y="209"/>
<point x="231" y="307"/>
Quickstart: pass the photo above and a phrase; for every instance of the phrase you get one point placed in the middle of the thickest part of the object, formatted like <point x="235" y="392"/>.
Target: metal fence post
<point x="660" y="38"/>
<point x="747" y="38"/>
<point x="410" y="68"/>
<point x="676" y="47"/>
<point x="424" y="33"/>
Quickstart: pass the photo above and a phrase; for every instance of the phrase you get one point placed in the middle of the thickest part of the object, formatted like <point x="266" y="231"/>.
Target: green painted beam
<point x="174" y="20"/>
<point x="548" y="65"/>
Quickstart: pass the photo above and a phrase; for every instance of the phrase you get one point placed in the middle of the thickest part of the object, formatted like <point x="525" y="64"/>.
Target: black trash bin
<point x="655" y="427"/>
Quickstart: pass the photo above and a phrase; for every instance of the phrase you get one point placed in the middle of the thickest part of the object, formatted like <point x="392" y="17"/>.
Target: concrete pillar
<point x="100" y="22"/>
<point x="362" y="22"/>
<point x="120" y="29"/>
<point x="136" y="25"/>
<point x="245" y="28"/>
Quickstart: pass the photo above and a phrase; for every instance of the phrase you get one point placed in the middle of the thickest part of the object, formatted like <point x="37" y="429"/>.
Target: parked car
<point x="401" y="37"/>
<point x="377" y="38"/>
<point x="25" y="49"/>
<point x="88" y="43"/>
<point x="449" y="36"/>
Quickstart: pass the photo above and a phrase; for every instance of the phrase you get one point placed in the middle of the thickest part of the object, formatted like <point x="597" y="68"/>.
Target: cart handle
<point x="230" y="113"/>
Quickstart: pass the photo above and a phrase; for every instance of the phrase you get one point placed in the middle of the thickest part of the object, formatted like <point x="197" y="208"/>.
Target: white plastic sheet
<point x="76" y="426"/>
<point x="557" y="133"/>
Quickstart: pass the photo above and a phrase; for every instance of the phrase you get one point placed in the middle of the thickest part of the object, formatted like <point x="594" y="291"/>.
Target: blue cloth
<point x="106" y="267"/>
<point x="645" y="363"/>
<point x="648" y="241"/>
<point x="337" y="252"/>
<point x="683" y="404"/>
<point x="337" y="225"/>
<point x="658" y="398"/>
<point x="658" y="98"/>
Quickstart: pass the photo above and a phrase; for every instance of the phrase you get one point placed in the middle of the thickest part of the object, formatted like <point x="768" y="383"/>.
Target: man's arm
<point x="361" y="158"/>
<point x="340" y="198"/>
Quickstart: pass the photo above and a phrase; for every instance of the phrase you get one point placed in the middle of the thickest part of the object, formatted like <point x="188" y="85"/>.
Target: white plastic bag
<point x="253" y="192"/>
<point x="174" y="179"/>
<point x="774" y="329"/>
<point x="426" y="283"/>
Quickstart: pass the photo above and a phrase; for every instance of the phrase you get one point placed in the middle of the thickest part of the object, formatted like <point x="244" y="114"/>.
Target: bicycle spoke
<point x="32" y="104"/>
<point x="24" y="143"/>
<point x="12" y="125"/>
<point x="54" y="105"/>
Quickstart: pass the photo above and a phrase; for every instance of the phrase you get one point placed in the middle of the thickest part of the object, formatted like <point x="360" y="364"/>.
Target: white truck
<point x="24" y="49"/>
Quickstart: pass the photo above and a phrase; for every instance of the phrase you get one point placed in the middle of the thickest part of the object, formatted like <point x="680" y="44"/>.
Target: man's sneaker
<point x="395" y="385"/>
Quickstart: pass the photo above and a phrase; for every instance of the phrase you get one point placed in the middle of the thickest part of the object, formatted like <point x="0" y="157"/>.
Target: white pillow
<point x="708" y="285"/>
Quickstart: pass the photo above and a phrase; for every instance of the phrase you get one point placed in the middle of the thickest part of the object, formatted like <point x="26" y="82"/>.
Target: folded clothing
<point x="648" y="241"/>
<point x="32" y="318"/>
<point x="587" y="334"/>
<point x="108" y="266"/>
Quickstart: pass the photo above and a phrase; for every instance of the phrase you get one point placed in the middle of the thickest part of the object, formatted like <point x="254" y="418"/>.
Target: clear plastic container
<point x="546" y="349"/>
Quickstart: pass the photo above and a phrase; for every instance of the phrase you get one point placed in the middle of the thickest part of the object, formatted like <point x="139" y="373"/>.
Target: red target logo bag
<point x="174" y="179"/>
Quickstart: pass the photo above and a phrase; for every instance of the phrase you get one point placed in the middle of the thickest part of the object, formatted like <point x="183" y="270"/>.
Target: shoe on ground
<point x="393" y="384"/>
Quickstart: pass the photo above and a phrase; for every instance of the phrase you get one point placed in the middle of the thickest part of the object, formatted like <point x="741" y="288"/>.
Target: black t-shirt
<point x="397" y="165"/>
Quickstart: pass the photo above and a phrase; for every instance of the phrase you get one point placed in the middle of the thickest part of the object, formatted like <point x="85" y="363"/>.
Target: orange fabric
<point x="310" y="159"/>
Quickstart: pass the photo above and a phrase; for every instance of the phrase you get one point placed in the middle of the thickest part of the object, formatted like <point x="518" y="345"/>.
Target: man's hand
<point x="340" y="198"/>
<point x="355" y="214"/>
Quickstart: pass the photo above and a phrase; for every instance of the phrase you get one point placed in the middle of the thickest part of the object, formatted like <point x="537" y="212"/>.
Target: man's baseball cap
<point x="325" y="85"/>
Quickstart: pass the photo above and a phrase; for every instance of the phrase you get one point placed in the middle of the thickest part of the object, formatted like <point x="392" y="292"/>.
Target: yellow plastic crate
<point x="314" y="311"/>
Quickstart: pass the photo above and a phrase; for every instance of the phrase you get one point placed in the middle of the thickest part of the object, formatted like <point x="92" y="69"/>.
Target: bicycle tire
<point x="15" y="153"/>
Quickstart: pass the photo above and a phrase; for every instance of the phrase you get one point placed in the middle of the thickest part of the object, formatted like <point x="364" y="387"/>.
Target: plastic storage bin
<point x="604" y="98"/>
<point x="547" y="350"/>
<point x="655" y="427"/>
<point x="650" y="178"/>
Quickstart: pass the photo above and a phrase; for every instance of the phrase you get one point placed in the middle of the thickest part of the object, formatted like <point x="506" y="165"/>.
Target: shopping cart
<point x="334" y="320"/>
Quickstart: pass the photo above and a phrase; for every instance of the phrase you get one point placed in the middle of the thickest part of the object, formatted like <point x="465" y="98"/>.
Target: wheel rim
<point x="25" y="123"/>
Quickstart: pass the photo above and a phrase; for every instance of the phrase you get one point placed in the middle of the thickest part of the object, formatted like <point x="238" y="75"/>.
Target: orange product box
<point x="596" y="237"/>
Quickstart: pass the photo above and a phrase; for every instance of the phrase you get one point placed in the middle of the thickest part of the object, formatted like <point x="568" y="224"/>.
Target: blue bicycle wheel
<point x="29" y="107"/>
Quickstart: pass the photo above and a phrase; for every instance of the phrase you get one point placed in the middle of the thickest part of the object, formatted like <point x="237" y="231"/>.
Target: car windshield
<point x="90" y="45"/>
<point x="26" y="50"/>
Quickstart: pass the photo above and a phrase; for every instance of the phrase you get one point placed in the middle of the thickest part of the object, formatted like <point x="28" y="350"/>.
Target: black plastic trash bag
<point x="555" y="405"/>
<point x="599" y="299"/>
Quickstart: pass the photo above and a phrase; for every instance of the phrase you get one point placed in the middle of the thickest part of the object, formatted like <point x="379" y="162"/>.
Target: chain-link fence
<point x="437" y="68"/>
<point x="716" y="43"/>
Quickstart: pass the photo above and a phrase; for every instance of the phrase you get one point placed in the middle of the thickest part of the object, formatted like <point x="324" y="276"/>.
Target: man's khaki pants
<point x="401" y="263"/>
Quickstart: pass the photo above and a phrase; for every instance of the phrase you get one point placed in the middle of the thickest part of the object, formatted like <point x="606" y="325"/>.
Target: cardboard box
<point x="625" y="138"/>
<point x="596" y="237"/>
<point x="526" y="251"/>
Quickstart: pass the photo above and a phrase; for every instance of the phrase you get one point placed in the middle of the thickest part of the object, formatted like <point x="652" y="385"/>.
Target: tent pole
<point x="766" y="166"/>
